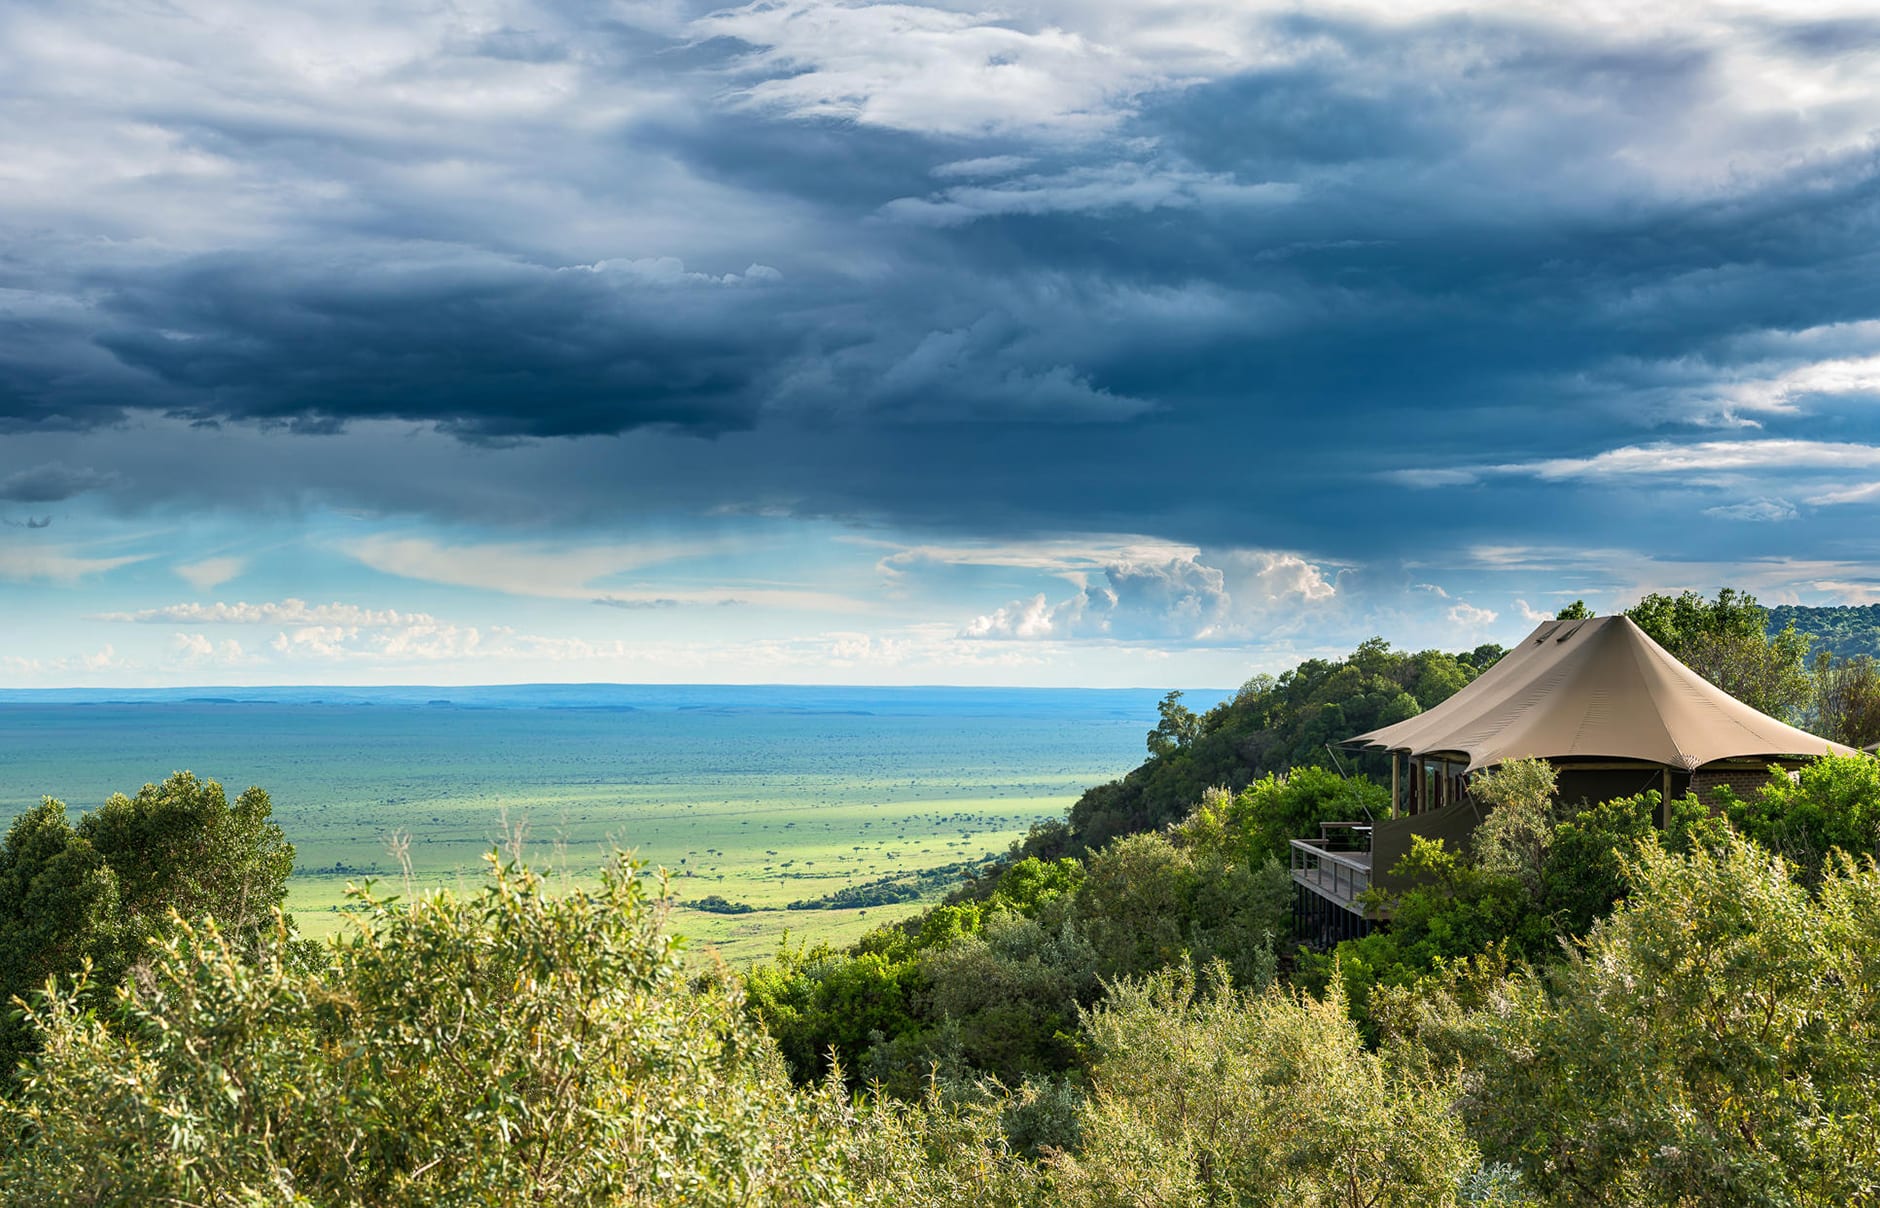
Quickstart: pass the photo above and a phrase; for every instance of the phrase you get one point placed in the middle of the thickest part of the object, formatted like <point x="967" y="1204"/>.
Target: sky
<point x="1062" y="342"/>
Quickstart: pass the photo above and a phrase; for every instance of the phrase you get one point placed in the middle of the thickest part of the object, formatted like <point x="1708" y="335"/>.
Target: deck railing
<point x="1336" y="865"/>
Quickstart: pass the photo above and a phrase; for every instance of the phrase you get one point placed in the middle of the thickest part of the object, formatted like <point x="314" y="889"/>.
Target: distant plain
<point x="761" y="795"/>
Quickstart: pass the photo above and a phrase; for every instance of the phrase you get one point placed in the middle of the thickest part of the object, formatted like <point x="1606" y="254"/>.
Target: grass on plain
<point x="765" y="855"/>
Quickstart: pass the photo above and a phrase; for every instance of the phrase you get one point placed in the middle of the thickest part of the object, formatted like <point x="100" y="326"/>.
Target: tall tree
<point x="181" y="846"/>
<point x="58" y="909"/>
<point x="1726" y="641"/>
<point x="1847" y="699"/>
<point x="101" y="891"/>
<point x="1177" y="729"/>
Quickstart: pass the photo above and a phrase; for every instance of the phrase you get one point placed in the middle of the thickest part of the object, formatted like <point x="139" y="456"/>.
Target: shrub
<point x="500" y="1048"/>
<point x="1202" y="1094"/>
<point x="1709" y="1043"/>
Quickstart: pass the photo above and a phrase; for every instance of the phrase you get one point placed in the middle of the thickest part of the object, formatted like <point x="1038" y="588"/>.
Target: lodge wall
<point x="1741" y="779"/>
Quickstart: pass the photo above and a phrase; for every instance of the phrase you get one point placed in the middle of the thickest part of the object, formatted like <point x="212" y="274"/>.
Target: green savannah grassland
<point x="759" y="796"/>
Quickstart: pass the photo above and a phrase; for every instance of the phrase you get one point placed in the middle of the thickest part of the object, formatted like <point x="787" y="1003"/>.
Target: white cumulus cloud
<point x="1531" y="615"/>
<point x="198" y="649"/>
<point x="1192" y="597"/>
<point x="1469" y="616"/>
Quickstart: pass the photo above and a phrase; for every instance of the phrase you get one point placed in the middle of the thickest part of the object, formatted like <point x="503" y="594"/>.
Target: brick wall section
<point x="1742" y="781"/>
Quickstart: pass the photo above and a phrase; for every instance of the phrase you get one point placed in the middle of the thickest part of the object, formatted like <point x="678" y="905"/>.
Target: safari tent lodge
<point x="1599" y="699"/>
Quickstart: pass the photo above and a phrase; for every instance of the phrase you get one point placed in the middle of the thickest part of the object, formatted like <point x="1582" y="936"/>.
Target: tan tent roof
<point x="1598" y="688"/>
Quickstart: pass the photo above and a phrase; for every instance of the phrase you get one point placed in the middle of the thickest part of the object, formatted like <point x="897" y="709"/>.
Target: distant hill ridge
<point x="1845" y="630"/>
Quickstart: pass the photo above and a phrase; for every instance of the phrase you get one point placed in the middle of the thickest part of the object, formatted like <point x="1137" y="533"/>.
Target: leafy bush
<point x="1832" y="803"/>
<point x="506" y="1047"/>
<point x="1585" y="868"/>
<point x="827" y="1008"/>
<point x="1709" y="1043"/>
<point x="1201" y="1094"/>
<point x="1147" y="903"/>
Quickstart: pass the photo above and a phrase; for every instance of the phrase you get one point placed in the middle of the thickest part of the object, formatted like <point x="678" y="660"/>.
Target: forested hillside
<point x="1844" y="630"/>
<point x="1272" y="725"/>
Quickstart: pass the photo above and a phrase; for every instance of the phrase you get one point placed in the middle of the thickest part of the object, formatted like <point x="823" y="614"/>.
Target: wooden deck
<point x="1340" y="877"/>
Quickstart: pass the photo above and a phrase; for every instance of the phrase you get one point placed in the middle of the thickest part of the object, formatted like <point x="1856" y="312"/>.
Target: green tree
<point x="1576" y="611"/>
<point x="59" y="911"/>
<point x="1030" y="885"/>
<point x="1831" y="803"/>
<point x="1012" y="993"/>
<point x="1278" y="808"/>
<point x="1514" y="838"/>
<point x="1726" y="641"/>
<point x="827" y="1008"/>
<point x="1847" y="699"/>
<point x="1201" y="1094"/>
<point x="1147" y="903"/>
<point x="100" y="891"/>
<point x="1710" y="1042"/>
<point x="1585" y="870"/>
<point x="181" y="847"/>
<point x="1676" y="622"/>
<point x="1177" y="730"/>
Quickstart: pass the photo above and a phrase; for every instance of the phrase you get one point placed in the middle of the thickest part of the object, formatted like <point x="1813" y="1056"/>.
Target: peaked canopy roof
<point x="1598" y="688"/>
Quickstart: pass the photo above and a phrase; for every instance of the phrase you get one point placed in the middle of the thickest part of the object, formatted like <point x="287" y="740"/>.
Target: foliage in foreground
<point x="1218" y="1096"/>
<point x="98" y="892"/>
<point x="507" y="1047"/>
<point x="518" y="1046"/>
<point x="1711" y="1042"/>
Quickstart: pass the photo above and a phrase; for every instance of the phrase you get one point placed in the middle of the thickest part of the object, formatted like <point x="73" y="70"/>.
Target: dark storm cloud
<point x="51" y="483"/>
<point x="1216" y="303"/>
<point x="484" y="348"/>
